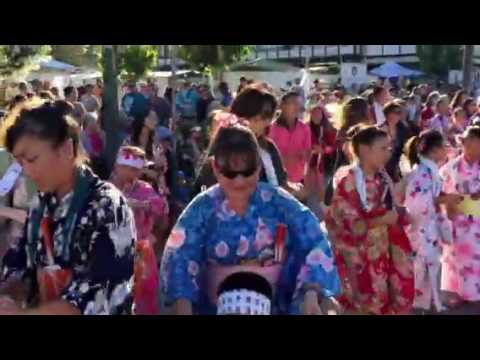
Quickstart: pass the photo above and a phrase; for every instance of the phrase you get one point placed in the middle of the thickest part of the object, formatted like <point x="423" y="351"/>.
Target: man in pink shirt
<point x="292" y="137"/>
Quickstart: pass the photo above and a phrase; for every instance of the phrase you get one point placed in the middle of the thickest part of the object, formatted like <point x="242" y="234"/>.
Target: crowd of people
<point x="254" y="201"/>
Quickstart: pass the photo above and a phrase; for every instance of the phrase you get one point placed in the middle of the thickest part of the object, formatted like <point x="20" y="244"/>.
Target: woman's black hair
<point x="47" y="121"/>
<point x="377" y="90"/>
<point x="137" y="127"/>
<point x="17" y="100"/>
<point x="466" y="104"/>
<point x="233" y="141"/>
<point x="354" y="112"/>
<point x="392" y="107"/>
<point x="247" y="281"/>
<point x="471" y="132"/>
<point x="366" y="135"/>
<point x="422" y="145"/>
<point x="253" y="101"/>
<point x="456" y="98"/>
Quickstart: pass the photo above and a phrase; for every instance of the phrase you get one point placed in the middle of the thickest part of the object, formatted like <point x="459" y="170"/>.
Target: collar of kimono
<point x="268" y="166"/>
<point x="361" y="186"/>
<point x="434" y="171"/>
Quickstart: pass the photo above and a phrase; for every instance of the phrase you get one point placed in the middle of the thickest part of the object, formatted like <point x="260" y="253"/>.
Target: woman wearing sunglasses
<point x="241" y="225"/>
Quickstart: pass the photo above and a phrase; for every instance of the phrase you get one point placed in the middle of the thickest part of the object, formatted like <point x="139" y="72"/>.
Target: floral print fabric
<point x="100" y="251"/>
<point x="373" y="262"/>
<point x="461" y="259"/>
<point x="428" y="232"/>
<point x="209" y="232"/>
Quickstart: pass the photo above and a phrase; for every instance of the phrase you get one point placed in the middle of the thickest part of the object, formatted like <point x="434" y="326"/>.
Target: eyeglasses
<point x="230" y="174"/>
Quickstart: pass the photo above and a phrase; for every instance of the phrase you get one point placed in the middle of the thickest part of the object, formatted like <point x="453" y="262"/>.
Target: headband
<point x="126" y="158"/>
<point x="243" y="302"/>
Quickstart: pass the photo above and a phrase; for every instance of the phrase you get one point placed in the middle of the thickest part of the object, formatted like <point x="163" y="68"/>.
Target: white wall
<point x="276" y="79"/>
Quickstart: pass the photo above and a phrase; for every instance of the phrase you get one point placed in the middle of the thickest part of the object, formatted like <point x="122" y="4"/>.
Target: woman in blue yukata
<point x="242" y="226"/>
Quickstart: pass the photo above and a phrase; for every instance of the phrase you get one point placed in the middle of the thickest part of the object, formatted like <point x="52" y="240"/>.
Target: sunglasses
<point x="230" y="174"/>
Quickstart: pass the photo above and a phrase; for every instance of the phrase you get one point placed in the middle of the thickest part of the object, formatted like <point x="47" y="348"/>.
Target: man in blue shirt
<point x="135" y="104"/>
<point x="186" y="101"/>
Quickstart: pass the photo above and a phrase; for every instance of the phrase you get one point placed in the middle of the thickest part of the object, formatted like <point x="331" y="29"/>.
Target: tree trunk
<point x="468" y="67"/>
<point x="110" y="112"/>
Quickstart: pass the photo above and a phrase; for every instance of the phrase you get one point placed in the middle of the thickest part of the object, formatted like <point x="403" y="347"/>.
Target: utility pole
<point x="363" y="53"/>
<point x="468" y="67"/>
<point x="173" y="66"/>
<point x="221" y="62"/>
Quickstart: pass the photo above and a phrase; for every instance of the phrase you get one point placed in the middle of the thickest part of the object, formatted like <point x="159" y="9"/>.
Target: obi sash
<point x="469" y="206"/>
<point x="146" y="285"/>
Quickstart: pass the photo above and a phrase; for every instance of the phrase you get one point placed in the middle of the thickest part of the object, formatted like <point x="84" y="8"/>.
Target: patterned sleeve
<point x="104" y="287"/>
<point x="309" y="248"/>
<point x="418" y="198"/>
<point x="14" y="262"/>
<point x="184" y="255"/>
<point x="345" y="210"/>
<point x="158" y="203"/>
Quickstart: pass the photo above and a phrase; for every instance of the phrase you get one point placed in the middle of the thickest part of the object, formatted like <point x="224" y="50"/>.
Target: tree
<point x="20" y="59"/>
<point x="439" y="59"/>
<point x="78" y="55"/>
<point x="137" y="60"/>
<point x="215" y="58"/>
<point x="110" y="111"/>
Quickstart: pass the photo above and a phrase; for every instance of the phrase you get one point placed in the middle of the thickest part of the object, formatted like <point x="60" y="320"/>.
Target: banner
<point x="353" y="75"/>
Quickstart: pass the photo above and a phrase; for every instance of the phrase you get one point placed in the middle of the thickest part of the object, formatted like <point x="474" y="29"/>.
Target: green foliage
<point x="20" y="59"/>
<point x="70" y="54"/>
<point x="207" y="57"/>
<point x="137" y="61"/>
<point x="438" y="59"/>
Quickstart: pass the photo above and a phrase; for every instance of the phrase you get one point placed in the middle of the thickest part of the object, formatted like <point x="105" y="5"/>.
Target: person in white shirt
<point x="380" y="98"/>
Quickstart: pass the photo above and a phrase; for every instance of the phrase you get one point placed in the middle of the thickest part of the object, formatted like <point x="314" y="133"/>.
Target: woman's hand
<point x="8" y="306"/>
<point x="310" y="304"/>
<point x="475" y="196"/>
<point x="183" y="307"/>
<point x="330" y="306"/>
<point x="455" y="199"/>
<point x="137" y="204"/>
<point x="317" y="149"/>
<point x="390" y="218"/>
<point x="152" y="174"/>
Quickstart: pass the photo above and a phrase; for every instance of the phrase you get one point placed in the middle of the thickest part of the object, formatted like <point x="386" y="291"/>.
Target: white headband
<point x="243" y="302"/>
<point x="128" y="159"/>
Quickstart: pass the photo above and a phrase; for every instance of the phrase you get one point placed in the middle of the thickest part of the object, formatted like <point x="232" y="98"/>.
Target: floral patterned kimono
<point x="461" y="261"/>
<point x="428" y="232"/>
<point x="374" y="263"/>
<point x="79" y="248"/>
<point x="146" y="265"/>
<point x="209" y="234"/>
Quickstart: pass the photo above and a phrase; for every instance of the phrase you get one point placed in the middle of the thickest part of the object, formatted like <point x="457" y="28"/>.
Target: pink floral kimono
<point x="461" y="260"/>
<point x="146" y="267"/>
<point x="428" y="232"/>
